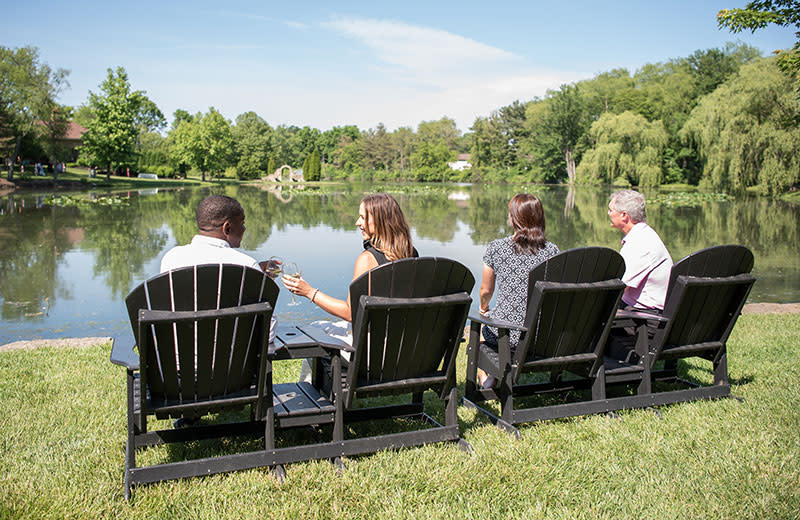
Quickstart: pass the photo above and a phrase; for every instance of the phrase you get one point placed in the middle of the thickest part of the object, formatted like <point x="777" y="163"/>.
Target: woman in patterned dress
<point x="507" y="263"/>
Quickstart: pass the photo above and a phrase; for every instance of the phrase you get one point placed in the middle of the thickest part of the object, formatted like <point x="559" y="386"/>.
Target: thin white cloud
<point x="296" y="25"/>
<point x="429" y="73"/>
<point x="420" y="50"/>
<point x="400" y="76"/>
<point x="248" y="16"/>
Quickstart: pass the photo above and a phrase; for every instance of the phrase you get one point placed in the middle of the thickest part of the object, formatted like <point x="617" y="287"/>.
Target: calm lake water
<point x="65" y="270"/>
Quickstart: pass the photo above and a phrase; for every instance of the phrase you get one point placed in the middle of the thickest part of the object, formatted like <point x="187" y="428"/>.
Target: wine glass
<point x="292" y="270"/>
<point x="274" y="267"/>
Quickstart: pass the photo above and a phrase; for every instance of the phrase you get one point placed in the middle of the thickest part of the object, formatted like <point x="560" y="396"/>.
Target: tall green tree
<point x="564" y="124"/>
<point x="251" y="135"/>
<point x="183" y="141"/>
<point x="83" y="115"/>
<point x="761" y="13"/>
<point x="376" y="146"/>
<point x="331" y="139"/>
<point x="746" y="131"/>
<point x="216" y="143"/>
<point x="314" y="166"/>
<point x="51" y="132"/>
<point x="429" y="161"/>
<point x="486" y="144"/>
<point x="120" y="115"/>
<point x="204" y="142"/>
<point x="28" y="92"/>
<point x="306" y="168"/>
<point x="626" y="147"/>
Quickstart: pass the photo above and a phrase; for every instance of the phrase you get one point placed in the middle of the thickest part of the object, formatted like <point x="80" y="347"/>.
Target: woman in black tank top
<point x="386" y="238"/>
<point x="378" y="254"/>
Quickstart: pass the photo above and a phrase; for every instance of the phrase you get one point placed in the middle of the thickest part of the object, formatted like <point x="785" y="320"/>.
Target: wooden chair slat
<point x="185" y="333"/>
<point x="205" y="350"/>
<point x="223" y="347"/>
<point x="207" y="288"/>
<point x="182" y="290"/>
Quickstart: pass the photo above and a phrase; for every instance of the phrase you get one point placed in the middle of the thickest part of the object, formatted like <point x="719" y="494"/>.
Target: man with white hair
<point x="647" y="268"/>
<point x="647" y="261"/>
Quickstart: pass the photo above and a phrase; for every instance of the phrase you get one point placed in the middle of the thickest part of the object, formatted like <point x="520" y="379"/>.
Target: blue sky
<point x="324" y="64"/>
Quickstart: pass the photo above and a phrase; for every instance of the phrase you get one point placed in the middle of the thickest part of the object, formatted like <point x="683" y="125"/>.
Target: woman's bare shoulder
<point x="364" y="263"/>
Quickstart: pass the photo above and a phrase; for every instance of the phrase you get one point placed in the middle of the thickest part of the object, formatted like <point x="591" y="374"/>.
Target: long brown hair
<point x="527" y="219"/>
<point x="392" y="235"/>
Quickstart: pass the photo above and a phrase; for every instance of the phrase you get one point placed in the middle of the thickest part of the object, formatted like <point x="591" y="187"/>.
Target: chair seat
<point x="615" y="367"/>
<point x="300" y="404"/>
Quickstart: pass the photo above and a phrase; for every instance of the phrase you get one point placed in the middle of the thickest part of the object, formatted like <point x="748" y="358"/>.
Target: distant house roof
<point x="464" y="157"/>
<point x="74" y="131"/>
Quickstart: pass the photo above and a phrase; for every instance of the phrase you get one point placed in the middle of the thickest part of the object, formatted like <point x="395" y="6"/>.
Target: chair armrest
<point x="155" y="316"/>
<point x="500" y="324"/>
<point x="641" y="315"/>
<point x="122" y="352"/>
<point x="324" y="340"/>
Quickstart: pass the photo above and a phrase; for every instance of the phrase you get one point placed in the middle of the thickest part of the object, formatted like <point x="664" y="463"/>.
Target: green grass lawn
<point x="62" y="438"/>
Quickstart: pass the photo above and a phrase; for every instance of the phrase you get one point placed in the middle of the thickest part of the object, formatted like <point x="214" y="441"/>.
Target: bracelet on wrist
<point x="314" y="295"/>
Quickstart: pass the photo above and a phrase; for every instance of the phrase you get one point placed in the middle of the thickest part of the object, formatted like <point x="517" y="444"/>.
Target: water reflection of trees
<point x="123" y="239"/>
<point x="34" y="240"/>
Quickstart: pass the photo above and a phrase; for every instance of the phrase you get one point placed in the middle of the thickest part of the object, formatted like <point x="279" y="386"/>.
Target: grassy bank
<point x="79" y="177"/>
<point x="62" y="435"/>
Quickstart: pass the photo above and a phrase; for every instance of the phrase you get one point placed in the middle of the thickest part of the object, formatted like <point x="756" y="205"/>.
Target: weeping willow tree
<point x="627" y="148"/>
<point x="747" y="132"/>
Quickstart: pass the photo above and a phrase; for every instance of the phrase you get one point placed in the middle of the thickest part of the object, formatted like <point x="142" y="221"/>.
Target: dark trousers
<point x="622" y="340"/>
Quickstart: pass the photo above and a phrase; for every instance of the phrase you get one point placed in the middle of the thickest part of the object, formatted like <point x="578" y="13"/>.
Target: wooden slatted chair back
<point x="715" y="261"/>
<point x="408" y="321"/>
<point x="214" y="357"/>
<point x="572" y="299"/>
<point x="706" y="294"/>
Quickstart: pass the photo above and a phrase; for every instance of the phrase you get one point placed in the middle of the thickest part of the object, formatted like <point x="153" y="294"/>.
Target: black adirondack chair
<point x="572" y="298"/>
<point x="202" y="339"/>
<point x="408" y="322"/>
<point x="705" y="296"/>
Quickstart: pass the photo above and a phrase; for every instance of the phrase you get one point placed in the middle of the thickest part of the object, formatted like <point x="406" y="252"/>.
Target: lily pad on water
<point x="104" y="200"/>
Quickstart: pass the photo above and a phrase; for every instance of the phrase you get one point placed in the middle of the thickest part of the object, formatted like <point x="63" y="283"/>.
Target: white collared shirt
<point x="208" y="250"/>
<point x="205" y="250"/>
<point x="647" y="268"/>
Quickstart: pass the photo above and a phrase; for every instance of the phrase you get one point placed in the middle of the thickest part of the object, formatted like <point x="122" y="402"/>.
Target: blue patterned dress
<point x="511" y="283"/>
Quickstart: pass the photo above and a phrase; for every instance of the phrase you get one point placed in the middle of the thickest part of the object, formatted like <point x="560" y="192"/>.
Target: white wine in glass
<point x="274" y="267"/>
<point x="292" y="270"/>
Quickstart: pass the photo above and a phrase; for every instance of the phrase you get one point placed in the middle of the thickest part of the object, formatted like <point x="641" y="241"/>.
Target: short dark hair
<point x="213" y="211"/>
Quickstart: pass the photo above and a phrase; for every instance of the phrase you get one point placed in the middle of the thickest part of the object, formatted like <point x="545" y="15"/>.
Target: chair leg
<point x="599" y="384"/>
<point x="721" y="369"/>
<point x="278" y="472"/>
<point x="505" y="392"/>
<point x="471" y="384"/>
<point x="130" y="444"/>
<point x="646" y="384"/>
<point x="451" y="417"/>
<point x="451" y="410"/>
<point x="645" y="357"/>
<point x="338" y="402"/>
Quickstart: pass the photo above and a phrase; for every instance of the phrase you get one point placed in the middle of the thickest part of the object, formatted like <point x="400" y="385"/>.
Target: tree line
<point x="721" y="118"/>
